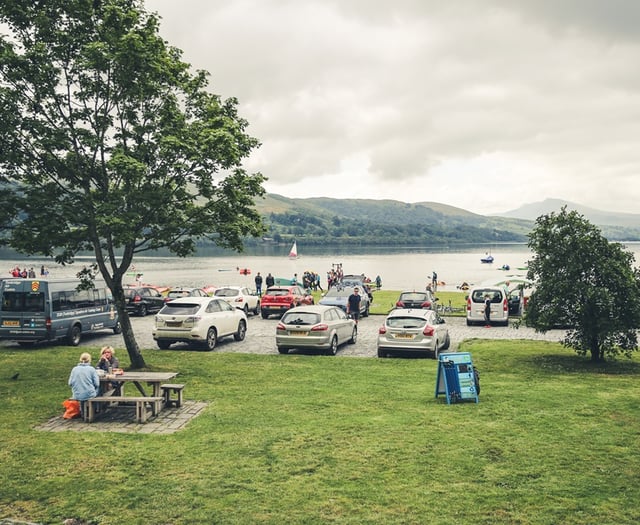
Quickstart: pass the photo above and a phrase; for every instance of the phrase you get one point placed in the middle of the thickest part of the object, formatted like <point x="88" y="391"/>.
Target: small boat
<point x="487" y="259"/>
<point x="293" y="253"/>
<point x="244" y="271"/>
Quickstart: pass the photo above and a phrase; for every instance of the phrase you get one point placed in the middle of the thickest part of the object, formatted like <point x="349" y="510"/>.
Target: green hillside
<point x="322" y="220"/>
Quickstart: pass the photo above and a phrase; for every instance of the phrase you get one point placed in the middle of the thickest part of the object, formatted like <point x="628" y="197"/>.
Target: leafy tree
<point x="109" y="142"/>
<point x="584" y="283"/>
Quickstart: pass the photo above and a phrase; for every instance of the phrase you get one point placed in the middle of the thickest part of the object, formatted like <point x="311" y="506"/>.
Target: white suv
<point x="240" y="297"/>
<point x="499" y="297"/>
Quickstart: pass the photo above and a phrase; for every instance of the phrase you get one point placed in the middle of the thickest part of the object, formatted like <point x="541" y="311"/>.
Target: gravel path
<point x="261" y="336"/>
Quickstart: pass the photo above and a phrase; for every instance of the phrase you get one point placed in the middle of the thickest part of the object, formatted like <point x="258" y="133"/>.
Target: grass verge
<point x="311" y="439"/>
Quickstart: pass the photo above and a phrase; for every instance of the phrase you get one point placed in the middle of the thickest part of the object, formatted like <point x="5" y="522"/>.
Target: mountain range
<point x="360" y="220"/>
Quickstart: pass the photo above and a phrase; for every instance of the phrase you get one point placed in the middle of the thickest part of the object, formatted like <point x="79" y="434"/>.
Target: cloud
<point x="482" y="105"/>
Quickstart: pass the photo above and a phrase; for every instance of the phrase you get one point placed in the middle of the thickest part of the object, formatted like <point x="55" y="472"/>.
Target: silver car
<point x="315" y="327"/>
<point x="199" y="321"/>
<point x="413" y="331"/>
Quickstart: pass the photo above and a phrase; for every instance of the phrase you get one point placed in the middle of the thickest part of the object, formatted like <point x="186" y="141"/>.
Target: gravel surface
<point x="261" y="336"/>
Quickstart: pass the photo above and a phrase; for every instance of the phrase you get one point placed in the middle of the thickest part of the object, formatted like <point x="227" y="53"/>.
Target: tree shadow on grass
<point x="582" y="364"/>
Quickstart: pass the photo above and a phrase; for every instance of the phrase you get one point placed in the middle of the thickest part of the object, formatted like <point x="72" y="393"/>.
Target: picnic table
<point x="149" y="386"/>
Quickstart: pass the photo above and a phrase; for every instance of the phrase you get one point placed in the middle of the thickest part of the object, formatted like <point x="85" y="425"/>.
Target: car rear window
<point x="178" y="293"/>
<point x="494" y="295"/>
<point x="406" y="322"/>
<point x="300" y="318"/>
<point x="278" y="292"/>
<point x="180" y="309"/>
<point x="226" y="292"/>
<point x="414" y="296"/>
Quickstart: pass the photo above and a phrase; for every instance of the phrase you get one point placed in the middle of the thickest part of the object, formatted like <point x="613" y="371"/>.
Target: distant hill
<point x="533" y="210"/>
<point x="368" y="221"/>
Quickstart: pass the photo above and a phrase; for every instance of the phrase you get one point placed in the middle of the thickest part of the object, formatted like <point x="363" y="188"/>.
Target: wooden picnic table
<point x="149" y="385"/>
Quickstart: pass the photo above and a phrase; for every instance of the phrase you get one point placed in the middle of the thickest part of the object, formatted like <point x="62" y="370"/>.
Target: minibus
<point x="48" y="310"/>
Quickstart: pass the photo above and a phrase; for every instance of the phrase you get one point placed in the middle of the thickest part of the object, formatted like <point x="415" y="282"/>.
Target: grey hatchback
<point x="414" y="299"/>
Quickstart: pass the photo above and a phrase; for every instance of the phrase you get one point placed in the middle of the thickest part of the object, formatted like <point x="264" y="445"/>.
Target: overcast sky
<point x="481" y="104"/>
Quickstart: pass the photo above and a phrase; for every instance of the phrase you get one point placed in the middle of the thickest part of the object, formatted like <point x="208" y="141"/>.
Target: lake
<point x="398" y="268"/>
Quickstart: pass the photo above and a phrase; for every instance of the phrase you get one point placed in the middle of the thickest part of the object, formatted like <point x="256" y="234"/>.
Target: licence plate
<point x="173" y="324"/>
<point x="404" y="336"/>
<point x="10" y="323"/>
<point x="298" y="333"/>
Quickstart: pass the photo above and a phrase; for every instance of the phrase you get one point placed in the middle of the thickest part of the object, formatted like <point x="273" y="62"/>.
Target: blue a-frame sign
<point x="456" y="379"/>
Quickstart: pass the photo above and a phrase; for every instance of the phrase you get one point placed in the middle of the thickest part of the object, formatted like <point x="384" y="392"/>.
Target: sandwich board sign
<point x="456" y="378"/>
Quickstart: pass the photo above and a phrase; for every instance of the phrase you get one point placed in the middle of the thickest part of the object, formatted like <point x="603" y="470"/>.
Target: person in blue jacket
<point x="84" y="380"/>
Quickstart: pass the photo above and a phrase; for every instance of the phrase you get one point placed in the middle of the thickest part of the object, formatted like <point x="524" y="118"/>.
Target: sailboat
<point x="293" y="253"/>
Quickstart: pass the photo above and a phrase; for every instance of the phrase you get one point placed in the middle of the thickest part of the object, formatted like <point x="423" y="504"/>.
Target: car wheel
<point x="264" y="314"/>
<point x="242" y="331"/>
<point x="212" y="339"/>
<point x="117" y="329"/>
<point x="333" y="347"/>
<point x="74" y="335"/>
<point x="283" y="350"/>
<point x="256" y="310"/>
<point x="354" y="336"/>
<point x="447" y="342"/>
<point x="163" y="344"/>
<point x="142" y="312"/>
<point x="245" y="309"/>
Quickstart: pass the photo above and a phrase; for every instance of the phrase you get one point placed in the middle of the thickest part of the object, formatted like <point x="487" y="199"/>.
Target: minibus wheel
<point x="74" y="335"/>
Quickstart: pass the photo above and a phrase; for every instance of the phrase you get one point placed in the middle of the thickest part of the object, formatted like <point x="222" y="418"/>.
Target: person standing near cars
<point x="258" y="281"/>
<point x="269" y="280"/>
<point x="487" y="311"/>
<point x="353" y="305"/>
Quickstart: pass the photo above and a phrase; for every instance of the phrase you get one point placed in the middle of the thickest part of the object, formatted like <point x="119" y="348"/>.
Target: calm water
<point x="399" y="270"/>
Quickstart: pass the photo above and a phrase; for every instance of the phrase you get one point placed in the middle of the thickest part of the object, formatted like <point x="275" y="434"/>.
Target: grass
<point x="385" y="300"/>
<point x="311" y="439"/>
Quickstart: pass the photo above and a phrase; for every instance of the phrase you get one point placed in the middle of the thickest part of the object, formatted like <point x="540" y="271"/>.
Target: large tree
<point x="584" y="283"/>
<point x="110" y="143"/>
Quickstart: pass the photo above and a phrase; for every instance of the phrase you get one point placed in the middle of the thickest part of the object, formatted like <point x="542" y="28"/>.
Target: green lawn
<point x="311" y="439"/>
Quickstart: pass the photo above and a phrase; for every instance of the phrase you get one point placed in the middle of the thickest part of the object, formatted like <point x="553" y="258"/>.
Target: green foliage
<point x="304" y="439"/>
<point x="111" y="144"/>
<point x="584" y="283"/>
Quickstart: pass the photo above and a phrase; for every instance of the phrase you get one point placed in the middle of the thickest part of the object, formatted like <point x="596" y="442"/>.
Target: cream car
<point x="499" y="297"/>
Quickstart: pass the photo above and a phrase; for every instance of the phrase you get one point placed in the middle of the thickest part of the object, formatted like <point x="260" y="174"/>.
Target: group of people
<point x="28" y="274"/>
<point x="84" y="379"/>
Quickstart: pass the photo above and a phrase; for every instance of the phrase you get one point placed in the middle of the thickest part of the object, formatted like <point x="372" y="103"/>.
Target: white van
<point x="499" y="296"/>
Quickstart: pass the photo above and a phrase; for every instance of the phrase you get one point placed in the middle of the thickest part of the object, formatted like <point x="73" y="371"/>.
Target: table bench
<point x="167" y="389"/>
<point x="141" y="403"/>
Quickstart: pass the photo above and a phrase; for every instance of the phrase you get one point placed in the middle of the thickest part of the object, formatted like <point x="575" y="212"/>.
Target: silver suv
<point x="499" y="297"/>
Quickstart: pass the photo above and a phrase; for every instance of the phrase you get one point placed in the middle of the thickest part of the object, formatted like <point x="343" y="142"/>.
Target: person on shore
<point x="269" y="280"/>
<point x="84" y="381"/>
<point x="378" y="282"/>
<point x="487" y="311"/>
<point x="434" y="281"/>
<point x="353" y="304"/>
<point x="258" y="281"/>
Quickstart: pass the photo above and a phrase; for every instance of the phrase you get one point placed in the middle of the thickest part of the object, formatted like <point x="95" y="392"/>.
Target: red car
<point x="278" y="299"/>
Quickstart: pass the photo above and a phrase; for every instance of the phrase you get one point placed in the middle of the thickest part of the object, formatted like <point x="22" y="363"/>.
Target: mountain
<point x="533" y="210"/>
<point x="369" y="221"/>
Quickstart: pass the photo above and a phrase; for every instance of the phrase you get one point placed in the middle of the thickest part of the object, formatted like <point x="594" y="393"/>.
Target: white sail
<point x="293" y="253"/>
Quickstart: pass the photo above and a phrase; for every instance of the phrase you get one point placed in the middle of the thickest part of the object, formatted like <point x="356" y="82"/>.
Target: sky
<point x="485" y="105"/>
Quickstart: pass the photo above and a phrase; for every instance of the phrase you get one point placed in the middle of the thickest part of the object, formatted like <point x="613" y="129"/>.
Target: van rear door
<point x="23" y="315"/>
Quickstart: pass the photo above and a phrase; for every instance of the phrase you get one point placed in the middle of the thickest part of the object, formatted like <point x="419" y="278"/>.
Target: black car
<point x="143" y="300"/>
<point x="419" y="300"/>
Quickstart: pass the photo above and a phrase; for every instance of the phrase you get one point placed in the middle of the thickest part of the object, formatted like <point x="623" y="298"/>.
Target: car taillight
<point x="468" y="304"/>
<point x="429" y="330"/>
<point x="505" y="305"/>
<point x="320" y="328"/>
<point x="280" y="326"/>
<point x="426" y="304"/>
<point x="193" y="319"/>
<point x="238" y="299"/>
<point x="400" y="304"/>
<point x="47" y="323"/>
<point x="382" y="330"/>
<point x="137" y="298"/>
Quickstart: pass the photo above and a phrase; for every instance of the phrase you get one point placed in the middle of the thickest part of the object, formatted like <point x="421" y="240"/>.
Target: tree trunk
<point x="137" y="361"/>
